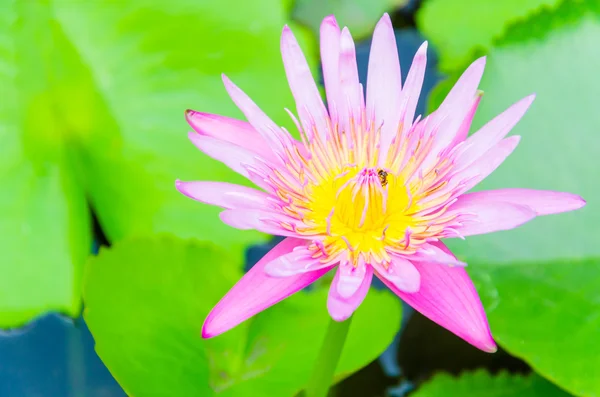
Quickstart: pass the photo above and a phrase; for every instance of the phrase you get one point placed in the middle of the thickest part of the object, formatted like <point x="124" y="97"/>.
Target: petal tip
<point x="579" y="202"/>
<point x="225" y="79"/>
<point x="330" y="20"/>
<point x="190" y="115"/>
<point x="346" y="35"/>
<point x="488" y="346"/>
<point x="513" y="140"/>
<point x="181" y="187"/>
<point x="422" y="51"/>
<point x="193" y="135"/>
<point x="206" y="332"/>
<point x="385" y="19"/>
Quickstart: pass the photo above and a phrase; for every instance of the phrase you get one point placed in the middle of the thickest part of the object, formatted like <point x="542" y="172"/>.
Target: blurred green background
<point x="92" y="138"/>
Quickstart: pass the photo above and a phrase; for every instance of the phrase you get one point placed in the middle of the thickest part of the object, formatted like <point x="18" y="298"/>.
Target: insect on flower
<point x="370" y="189"/>
<point x="382" y="177"/>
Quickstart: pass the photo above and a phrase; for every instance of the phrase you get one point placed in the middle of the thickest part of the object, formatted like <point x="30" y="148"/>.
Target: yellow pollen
<point x="360" y="210"/>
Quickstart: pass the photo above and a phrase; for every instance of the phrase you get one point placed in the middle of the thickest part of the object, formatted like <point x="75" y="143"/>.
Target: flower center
<point x="361" y="210"/>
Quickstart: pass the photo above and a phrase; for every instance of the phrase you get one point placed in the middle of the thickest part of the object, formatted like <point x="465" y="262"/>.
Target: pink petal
<point x="463" y="130"/>
<point x="235" y="157"/>
<point x="299" y="261"/>
<point x="401" y="273"/>
<point x="543" y="202"/>
<point x="330" y="58"/>
<point x="308" y="99"/>
<point x="223" y="194"/>
<point x="350" y="96"/>
<point x="383" y="81"/>
<point x="264" y="221"/>
<point x="491" y="133"/>
<point x="256" y="291"/>
<point x="274" y="135"/>
<point x="476" y="171"/>
<point x="350" y="278"/>
<point x="431" y="253"/>
<point x="447" y="297"/>
<point x="339" y="307"/>
<point x="446" y="121"/>
<point x="453" y="109"/>
<point x="489" y="216"/>
<point x="465" y="88"/>
<point x="235" y="131"/>
<point x="411" y="91"/>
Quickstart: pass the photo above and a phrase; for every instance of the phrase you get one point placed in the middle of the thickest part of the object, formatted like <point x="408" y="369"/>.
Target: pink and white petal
<point x="496" y="129"/>
<point x="263" y="221"/>
<point x="476" y="171"/>
<point x="447" y="297"/>
<point x="349" y="102"/>
<point x="411" y="91"/>
<point x="465" y="88"/>
<point x="223" y="194"/>
<point x="309" y="104"/>
<point x="463" y="130"/>
<point x="401" y="273"/>
<point x="446" y="121"/>
<point x="350" y="278"/>
<point x="543" y="202"/>
<point x="431" y="253"/>
<point x="235" y="157"/>
<point x="330" y="58"/>
<point x="256" y="291"/>
<point x="384" y="83"/>
<point x="341" y="308"/>
<point x="238" y="132"/>
<point x="454" y="105"/>
<point x="483" y="216"/>
<point x="272" y="133"/>
<point x="299" y="261"/>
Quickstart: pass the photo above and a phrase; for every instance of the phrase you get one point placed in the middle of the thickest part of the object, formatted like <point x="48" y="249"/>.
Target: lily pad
<point x="482" y="384"/>
<point x="360" y="16"/>
<point x="146" y="300"/>
<point x="44" y="220"/>
<point x="539" y="283"/>
<point x="559" y="61"/>
<point x="94" y="110"/>
<point x="548" y="315"/>
<point x="457" y="28"/>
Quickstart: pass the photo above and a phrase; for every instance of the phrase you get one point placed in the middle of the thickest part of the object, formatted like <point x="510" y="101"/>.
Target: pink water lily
<point x="369" y="189"/>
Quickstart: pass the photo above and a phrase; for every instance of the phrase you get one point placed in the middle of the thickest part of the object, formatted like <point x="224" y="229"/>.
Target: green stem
<point x="331" y="349"/>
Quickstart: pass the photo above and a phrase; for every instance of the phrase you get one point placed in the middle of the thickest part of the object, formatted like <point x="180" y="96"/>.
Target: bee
<point x="382" y="177"/>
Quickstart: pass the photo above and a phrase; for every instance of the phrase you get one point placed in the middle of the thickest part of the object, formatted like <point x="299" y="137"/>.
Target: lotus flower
<point x="369" y="189"/>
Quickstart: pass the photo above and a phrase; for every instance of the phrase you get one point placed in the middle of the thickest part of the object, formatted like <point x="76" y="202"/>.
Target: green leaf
<point x="148" y="62"/>
<point x="558" y="151"/>
<point x="44" y="219"/>
<point x="94" y="109"/>
<point x="482" y="384"/>
<point x="547" y="314"/>
<point x="146" y="300"/>
<point x="539" y="282"/>
<point x="360" y="16"/>
<point x="457" y="28"/>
